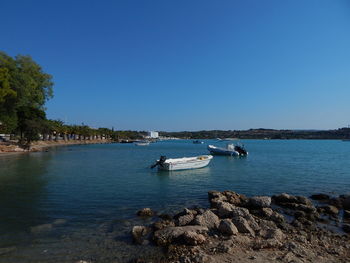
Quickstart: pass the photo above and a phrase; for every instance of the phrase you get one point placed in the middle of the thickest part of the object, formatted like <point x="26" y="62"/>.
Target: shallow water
<point x="98" y="188"/>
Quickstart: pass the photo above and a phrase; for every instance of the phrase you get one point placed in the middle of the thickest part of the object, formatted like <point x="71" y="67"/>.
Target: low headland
<point x="236" y="228"/>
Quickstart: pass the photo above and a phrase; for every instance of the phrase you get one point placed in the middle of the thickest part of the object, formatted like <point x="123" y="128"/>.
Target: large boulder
<point x="240" y="211"/>
<point x="225" y="209"/>
<point x="243" y="225"/>
<point x="185" y="219"/>
<point x="215" y="197"/>
<point x="226" y="227"/>
<point x="207" y="219"/>
<point x="284" y="198"/>
<point x="171" y="235"/>
<point x="259" y="201"/>
<point x="291" y="201"/>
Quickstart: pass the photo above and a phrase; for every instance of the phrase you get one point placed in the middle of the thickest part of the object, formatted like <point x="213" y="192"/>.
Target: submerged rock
<point x="320" y="197"/>
<point x="41" y="228"/>
<point x="139" y="232"/>
<point x="59" y="222"/>
<point x="6" y="250"/>
<point x="145" y="212"/>
<point x="163" y="224"/>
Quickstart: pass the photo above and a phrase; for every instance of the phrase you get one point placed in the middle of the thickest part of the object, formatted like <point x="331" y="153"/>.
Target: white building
<point x="153" y="134"/>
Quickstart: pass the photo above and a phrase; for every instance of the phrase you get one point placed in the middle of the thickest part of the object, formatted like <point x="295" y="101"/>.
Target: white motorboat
<point x="182" y="163"/>
<point x="142" y="143"/>
<point x="232" y="150"/>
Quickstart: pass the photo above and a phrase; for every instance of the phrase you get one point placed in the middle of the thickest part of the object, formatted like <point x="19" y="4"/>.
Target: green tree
<point x="31" y="122"/>
<point x="23" y="85"/>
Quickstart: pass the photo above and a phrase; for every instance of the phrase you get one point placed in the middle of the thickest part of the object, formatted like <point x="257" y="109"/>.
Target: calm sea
<point x="97" y="189"/>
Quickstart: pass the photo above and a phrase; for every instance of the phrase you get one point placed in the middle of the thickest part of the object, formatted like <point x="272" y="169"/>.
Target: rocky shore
<point x="12" y="147"/>
<point x="236" y="228"/>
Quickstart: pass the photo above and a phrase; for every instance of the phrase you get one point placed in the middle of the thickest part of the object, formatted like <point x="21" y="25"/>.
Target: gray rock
<point x="284" y="198"/>
<point x="225" y="209"/>
<point x="240" y="211"/>
<point x="170" y="235"/>
<point x="243" y="225"/>
<point x="207" y="219"/>
<point x="145" y="212"/>
<point x="234" y="198"/>
<point x="41" y="228"/>
<point x="193" y="238"/>
<point x="216" y="194"/>
<point x="276" y="234"/>
<point x="273" y="215"/>
<point x="260" y="201"/>
<point x="226" y="227"/>
<point x="185" y="219"/>
<point x="304" y="200"/>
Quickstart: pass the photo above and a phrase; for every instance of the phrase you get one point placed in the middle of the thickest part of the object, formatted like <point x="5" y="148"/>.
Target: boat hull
<point x="187" y="163"/>
<point x="221" y="151"/>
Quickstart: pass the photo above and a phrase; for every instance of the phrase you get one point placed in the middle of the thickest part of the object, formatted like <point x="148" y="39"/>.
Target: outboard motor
<point x="241" y="151"/>
<point x="160" y="162"/>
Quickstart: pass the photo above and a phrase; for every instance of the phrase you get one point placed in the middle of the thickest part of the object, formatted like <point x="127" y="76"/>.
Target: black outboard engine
<point x="160" y="162"/>
<point x="241" y="151"/>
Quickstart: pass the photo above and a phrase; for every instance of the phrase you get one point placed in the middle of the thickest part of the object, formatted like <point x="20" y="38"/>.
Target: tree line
<point x="24" y="90"/>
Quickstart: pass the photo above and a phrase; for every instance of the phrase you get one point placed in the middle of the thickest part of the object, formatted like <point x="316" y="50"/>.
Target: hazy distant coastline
<point x="336" y="134"/>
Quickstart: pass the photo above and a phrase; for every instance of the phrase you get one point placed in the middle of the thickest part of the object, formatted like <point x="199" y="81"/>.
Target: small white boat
<point x="230" y="149"/>
<point x="197" y="142"/>
<point x="182" y="163"/>
<point x="142" y="143"/>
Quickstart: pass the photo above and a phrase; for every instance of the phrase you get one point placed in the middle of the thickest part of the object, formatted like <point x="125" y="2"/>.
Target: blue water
<point x="90" y="185"/>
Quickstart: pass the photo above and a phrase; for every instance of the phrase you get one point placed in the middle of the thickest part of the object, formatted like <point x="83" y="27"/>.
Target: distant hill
<point x="262" y="133"/>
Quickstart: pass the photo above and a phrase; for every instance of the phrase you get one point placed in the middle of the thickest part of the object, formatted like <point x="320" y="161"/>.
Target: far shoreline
<point x="41" y="146"/>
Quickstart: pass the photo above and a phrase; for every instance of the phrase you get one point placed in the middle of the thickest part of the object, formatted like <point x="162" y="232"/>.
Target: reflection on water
<point x="22" y="189"/>
<point x="97" y="189"/>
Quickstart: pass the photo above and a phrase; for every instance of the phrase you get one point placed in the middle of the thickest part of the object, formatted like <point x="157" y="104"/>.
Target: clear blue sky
<point x="189" y="65"/>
